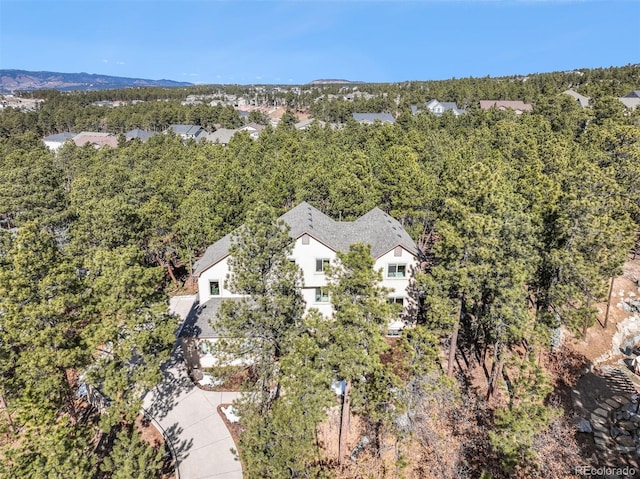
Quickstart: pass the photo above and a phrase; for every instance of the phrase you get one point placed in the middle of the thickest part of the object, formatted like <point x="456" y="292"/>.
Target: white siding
<point x="218" y="272"/>
<point x="305" y="256"/>
<point x="397" y="286"/>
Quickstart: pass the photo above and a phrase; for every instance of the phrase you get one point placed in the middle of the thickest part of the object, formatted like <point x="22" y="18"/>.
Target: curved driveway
<point x="190" y="418"/>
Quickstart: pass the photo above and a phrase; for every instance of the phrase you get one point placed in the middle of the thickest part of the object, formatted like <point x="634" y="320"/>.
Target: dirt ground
<point x="151" y="435"/>
<point x="598" y="339"/>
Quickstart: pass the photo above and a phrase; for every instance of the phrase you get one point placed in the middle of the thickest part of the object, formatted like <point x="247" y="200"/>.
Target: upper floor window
<point x="321" y="265"/>
<point x="214" y="288"/>
<point x="396" y="271"/>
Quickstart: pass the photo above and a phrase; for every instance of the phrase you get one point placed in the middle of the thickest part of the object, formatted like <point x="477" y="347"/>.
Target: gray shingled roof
<point x="221" y="135"/>
<point x="186" y="129"/>
<point x="143" y="135"/>
<point x="198" y="321"/>
<point x="633" y="94"/>
<point x="59" y="136"/>
<point x="372" y="117"/>
<point x="214" y="253"/>
<point x="375" y="228"/>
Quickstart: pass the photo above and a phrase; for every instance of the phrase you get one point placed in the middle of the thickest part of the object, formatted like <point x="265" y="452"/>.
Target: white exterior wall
<point x="54" y="145"/>
<point x="398" y="287"/>
<point x="305" y="256"/>
<point x="218" y="272"/>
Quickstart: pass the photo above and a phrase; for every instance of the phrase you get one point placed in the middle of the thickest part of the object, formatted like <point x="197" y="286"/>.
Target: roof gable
<point x="375" y="228"/>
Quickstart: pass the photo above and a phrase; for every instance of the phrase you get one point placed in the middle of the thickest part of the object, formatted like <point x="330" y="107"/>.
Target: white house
<point x="187" y="132"/>
<point x="318" y="239"/>
<point x="439" y="107"/>
<point x="55" y="142"/>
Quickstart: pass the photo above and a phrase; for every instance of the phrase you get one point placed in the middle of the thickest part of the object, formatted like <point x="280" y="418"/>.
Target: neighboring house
<point x="318" y="239"/>
<point x="370" y="118"/>
<point x="253" y="128"/>
<point x="631" y="100"/>
<point x="439" y="107"/>
<point x="54" y="142"/>
<point x="582" y="100"/>
<point x="221" y="135"/>
<point x="97" y="140"/>
<point x="518" y="106"/>
<point x="358" y="94"/>
<point x="142" y="135"/>
<point x="306" y="124"/>
<point x="187" y="131"/>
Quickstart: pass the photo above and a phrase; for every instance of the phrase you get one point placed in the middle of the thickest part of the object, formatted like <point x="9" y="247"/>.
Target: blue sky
<point x="270" y="41"/>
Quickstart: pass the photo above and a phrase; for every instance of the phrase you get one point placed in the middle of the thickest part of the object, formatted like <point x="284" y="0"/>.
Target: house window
<point x="321" y="265"/>
<point x="396" y="271"/>
<point x="214" y="288"/>
<point x="398" y="300"/>
<point x="322" y="295"/>
<point x="397" y="251"/>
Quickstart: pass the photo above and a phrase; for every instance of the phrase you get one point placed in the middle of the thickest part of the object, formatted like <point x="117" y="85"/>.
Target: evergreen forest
<point x="523" y="221"/>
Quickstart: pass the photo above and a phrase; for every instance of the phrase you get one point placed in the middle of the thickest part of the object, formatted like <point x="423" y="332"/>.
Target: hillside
<point x="14" y="80"/>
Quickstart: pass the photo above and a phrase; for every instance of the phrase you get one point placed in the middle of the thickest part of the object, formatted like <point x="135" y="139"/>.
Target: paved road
<point x="190" y="419"/>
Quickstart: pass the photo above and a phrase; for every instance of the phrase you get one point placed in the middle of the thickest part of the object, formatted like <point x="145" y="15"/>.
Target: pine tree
<point x="131" y="334"/>
<point x="271" y="314"/>
<point x="132" y="458"/>
<point x="361" y="314"/>
<point x="526" y="415"/>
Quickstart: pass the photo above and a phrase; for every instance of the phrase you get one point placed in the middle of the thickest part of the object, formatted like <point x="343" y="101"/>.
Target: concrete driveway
<point x="189" y="419"/>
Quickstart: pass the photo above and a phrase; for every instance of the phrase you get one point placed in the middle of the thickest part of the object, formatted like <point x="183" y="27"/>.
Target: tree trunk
<point x="606" y="315"/>
<point x="171" y="275"/>
<point x="586" y="322"/>
<point x="496" y="371"/>
<point x="453" y="345"/>
<point x="5" y="406"/>
<point x="344" y="424"/>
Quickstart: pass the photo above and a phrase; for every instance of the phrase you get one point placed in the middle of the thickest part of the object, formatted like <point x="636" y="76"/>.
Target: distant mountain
<point x="331" y="81"/>
<point x="13" y="80"/>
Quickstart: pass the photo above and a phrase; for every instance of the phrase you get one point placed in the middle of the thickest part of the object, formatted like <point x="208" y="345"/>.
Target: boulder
<point x="626" y="441"/>
<point x="582" y="425"/>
